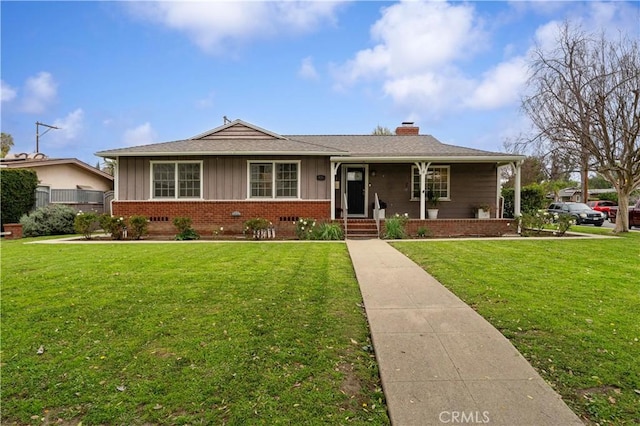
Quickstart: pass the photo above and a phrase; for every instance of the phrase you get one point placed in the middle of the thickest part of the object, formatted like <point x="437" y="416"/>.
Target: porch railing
<point x="345" y="212"/>
<point x="376" y="213"/>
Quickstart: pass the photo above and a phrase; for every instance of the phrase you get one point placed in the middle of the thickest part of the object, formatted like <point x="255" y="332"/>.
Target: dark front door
<point x="355" y="190"/>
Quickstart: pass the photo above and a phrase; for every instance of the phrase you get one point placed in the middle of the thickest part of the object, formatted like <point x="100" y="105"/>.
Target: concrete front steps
<point x="361" y="229"/>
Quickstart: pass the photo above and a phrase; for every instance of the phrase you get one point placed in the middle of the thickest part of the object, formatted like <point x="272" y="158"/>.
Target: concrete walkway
<point x="440" y="362"/>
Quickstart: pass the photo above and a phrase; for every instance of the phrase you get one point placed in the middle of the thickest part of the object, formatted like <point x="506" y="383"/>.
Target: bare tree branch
<point x="585" y="108"/>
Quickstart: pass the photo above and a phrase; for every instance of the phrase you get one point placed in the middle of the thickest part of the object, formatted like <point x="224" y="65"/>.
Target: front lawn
<point x="571" y="307"/>
<point x="266" y="333"/>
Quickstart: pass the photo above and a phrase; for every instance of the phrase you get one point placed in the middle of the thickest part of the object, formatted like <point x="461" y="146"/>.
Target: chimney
<point x="407" y="129"/>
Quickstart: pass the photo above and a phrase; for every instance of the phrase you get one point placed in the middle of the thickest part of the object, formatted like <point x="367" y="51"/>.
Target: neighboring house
<point x="575" y="194"/>
<point x="240" y="171"/>
<point x="66" y="181"/>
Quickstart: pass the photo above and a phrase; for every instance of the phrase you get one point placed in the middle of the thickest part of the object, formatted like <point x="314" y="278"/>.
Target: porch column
<point x="516" y="190"/>
<point x="423" y="166"/>
<point x="116" y="179"/>
<point x="332" y="190"/>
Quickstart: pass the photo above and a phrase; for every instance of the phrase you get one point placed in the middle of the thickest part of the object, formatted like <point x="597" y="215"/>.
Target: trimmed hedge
<point x="532" y="199"/>
<point x="18" y="194"/>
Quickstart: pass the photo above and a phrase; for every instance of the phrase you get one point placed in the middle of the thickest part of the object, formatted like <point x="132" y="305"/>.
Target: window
<point x="273" y="179"/>
<point x="437" y="180"/>
<point x="186" y="177"/>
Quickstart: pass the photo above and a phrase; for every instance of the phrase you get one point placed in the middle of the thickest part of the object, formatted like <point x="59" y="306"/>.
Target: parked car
<point x="581" y="212"/>
<point x="634" y="215"/>
<point x="603" y="206"/>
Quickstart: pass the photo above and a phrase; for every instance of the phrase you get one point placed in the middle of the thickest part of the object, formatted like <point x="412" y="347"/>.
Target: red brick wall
<point x="15" y="230"/>
<point x="208" y="216"/>
<point x="463" y="227"/>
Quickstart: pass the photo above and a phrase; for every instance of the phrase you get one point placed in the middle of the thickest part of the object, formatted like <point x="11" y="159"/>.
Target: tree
<point x="109" y="166"/>
<point x="382" y="131"/>
<point x="584" y="103"/>
<point x="5" y="144"/>
<point x="532" y="171"/>
<point x="17" y="193"/>
<point x="599" y="182"/>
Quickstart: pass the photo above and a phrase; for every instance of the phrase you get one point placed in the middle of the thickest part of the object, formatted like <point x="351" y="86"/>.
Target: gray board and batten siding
<point x="224" y="177"/>
<point x="470" y="184"/>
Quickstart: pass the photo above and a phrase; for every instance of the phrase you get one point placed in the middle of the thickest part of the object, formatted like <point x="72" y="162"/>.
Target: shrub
<point x="423" y="232"/>
<point x="54" y="219"/>
<point x="535" y="222"/>
<point x="305" y="228"/>
<point x="532" y="199"/>
<point x="116" y="226"/>
<point x="218" y="232"/>
<point x="609" y="196"/>
<point x="257" y="227"/>
<point x="562" y="224"/>
<point x="185" y="231"/>
<point x="138" y="226"/>
<point x="17" y="194"/>
<point x="329" y="231"/>
<point x="86" y="223"/>
<point x="395" y="227"/>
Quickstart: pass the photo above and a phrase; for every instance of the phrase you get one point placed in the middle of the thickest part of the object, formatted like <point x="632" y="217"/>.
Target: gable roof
<point x="238" y="129"/>
<point x="30" y="163"/>
<point x="241" y="138"/>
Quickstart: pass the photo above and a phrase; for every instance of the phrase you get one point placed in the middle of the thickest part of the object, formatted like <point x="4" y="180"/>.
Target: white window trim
<point x="433" y="166"/>
<point x="175" y="177"/>
<point x="273" y="179"/>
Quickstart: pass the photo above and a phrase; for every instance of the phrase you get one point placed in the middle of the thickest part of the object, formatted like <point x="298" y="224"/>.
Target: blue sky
<point x="116" y="74"/>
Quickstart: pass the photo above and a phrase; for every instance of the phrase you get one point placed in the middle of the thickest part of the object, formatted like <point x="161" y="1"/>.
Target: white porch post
<point x="332" y="190"/>
<point x="423" y="166"/>
<point x="116" y="179"/>
<point x="516" y="190"/>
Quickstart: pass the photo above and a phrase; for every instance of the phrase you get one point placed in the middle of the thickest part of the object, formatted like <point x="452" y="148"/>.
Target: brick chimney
<point x="407" y="129"/>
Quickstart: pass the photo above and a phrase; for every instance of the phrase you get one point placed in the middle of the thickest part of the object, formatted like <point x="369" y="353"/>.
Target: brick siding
<point x="208" y="216"/>
<point x="14" y="231"/>
<point x="463" y="227"/>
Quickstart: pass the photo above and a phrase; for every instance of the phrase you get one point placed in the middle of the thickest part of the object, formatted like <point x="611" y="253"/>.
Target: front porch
<point x="456" y="187"/>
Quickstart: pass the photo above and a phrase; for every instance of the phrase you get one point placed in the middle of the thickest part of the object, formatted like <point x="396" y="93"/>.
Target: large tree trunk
<point x="622" y="219"/>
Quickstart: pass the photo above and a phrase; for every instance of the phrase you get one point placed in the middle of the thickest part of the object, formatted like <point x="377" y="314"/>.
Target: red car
<point x="603" y="206"/>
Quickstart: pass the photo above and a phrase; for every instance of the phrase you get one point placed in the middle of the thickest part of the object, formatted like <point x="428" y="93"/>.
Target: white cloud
<point x="425" y="55"/>
<point x="141" y="135"/>
<point x="220" y="26"/>
<point x="39" y="92"/>
<point x="610" y="18"/>
<point x="431" y="92"/>
<point x="417" y="58"/>
<point x="307" y="69"/>
<point x="415" y="38"/>
<point x="70" y="126"/>
<point x="68" y="133"/>
<point x="7" y="93"/>
<point x="500" y="86"/>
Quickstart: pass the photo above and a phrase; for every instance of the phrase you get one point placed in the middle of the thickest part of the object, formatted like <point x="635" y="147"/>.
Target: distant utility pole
<point x="38" y="124"/>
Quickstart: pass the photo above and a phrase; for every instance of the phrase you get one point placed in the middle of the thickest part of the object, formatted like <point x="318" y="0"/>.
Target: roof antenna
<point x="226" y="120"/>
<point x="38" y="124"/>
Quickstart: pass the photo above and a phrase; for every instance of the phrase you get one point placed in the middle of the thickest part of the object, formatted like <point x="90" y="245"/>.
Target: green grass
<point x="571" y="307"/>
<point x="267" y="333"/>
